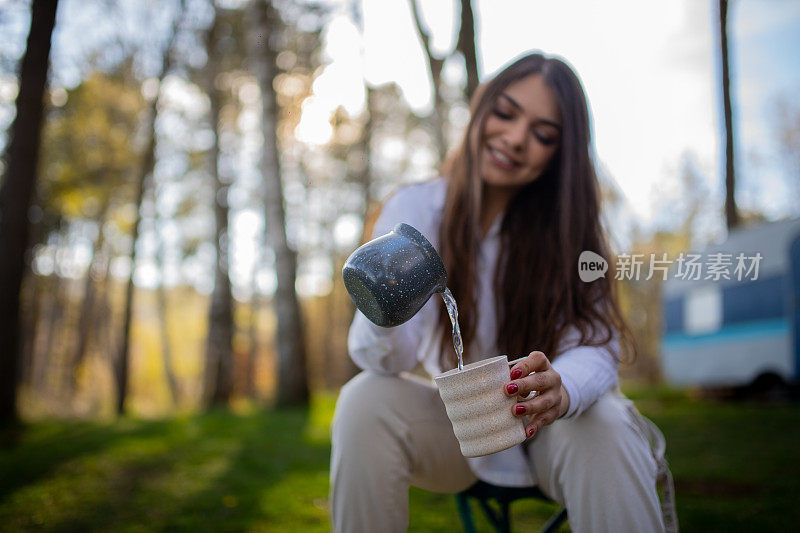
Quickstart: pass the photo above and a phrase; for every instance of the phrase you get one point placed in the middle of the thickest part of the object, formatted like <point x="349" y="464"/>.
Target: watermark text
<point x="686" y="266"/>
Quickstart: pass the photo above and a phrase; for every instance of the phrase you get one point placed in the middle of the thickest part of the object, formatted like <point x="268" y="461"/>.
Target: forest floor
<point x="735" y="465"/>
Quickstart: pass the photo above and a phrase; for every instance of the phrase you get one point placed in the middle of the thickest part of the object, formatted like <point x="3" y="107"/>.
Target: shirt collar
<point x="494" y="229"/>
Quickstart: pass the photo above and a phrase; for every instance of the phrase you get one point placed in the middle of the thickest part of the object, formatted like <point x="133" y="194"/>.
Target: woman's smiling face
<point x="521" y="134"/>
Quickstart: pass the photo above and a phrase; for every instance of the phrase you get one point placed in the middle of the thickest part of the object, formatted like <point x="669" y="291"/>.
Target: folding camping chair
<point x="498" y="513"/>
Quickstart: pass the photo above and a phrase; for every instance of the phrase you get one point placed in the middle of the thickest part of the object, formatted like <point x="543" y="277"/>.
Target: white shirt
<point x="586" y="371"/>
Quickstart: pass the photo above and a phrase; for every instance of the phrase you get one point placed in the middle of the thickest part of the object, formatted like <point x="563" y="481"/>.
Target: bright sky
<point x="650" y="70"/>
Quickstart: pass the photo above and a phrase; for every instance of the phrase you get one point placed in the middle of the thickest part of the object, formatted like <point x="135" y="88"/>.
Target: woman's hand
<point x="534" y="373"/>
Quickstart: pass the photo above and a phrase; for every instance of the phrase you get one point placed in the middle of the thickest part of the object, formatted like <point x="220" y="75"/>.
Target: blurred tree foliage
<point x="205" y="112"/>
<point x="90" y="148"/>
<point x="89" y="218"/>
<point x="89" y="165"/>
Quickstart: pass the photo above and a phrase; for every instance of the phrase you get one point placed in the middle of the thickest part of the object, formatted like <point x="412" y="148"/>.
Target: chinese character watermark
<point x="715" y="266"/>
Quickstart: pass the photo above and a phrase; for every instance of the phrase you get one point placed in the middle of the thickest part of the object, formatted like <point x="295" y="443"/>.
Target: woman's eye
<point x="501" y="114"/>
<point x="547" y="141"/>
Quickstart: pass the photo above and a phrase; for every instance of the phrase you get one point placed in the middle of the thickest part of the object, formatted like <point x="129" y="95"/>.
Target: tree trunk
<point x="466" y="45"/>
<point x="292" y="376"/>
<point x="121" y="362"/>
<point x="163" y="322"/>
<point x="364" y="176"/>
<point x="16" y="194"/>
<point x="54" y="295"/>
<point x="105" y="325"/>
<point x="218" y="382"/>
<point x="34" y="287"/>
<point x="145" y="173"/>
<point x="252" y="352"/>
<point x="161" y="293"/>
<point x="731" y="212"/>
<point x="435" y="66"/>
<point x="85" y="321"/>
<point x="46" y="359"/>
<point x="33" y="296"/>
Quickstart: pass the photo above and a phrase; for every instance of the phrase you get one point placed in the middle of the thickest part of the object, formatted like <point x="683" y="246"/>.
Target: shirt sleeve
<point x="391" y="350"/>
<point x="587" y="372"/>
<point x="383" y="350"/>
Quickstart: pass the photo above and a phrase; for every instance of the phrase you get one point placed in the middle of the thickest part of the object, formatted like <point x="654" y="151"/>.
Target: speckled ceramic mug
<point x="479" y="410"/>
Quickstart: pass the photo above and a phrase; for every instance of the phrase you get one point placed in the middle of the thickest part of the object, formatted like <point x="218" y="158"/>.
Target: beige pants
<point x="392" y="432"/>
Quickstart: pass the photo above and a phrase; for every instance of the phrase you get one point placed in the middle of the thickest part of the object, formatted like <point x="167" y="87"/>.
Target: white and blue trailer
<point x="732" y="332"/>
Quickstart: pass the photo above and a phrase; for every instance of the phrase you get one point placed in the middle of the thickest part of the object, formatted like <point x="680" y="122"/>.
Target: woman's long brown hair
<point x="545" y="227"/>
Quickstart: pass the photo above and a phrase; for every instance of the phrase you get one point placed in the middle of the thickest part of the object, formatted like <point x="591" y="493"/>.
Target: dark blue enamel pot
<point x="391" y="277"/>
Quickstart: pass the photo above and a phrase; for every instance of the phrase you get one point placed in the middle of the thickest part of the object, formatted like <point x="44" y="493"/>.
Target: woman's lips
<point x="500" y="159"/>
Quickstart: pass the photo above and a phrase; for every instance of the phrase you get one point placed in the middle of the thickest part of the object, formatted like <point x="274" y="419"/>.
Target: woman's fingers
<point x="539" y="382"/>
<point x="541" y="420"/>
<point x="533" y="373"/>
<point x="539" y="404"/>
<point x="536" y="361"/>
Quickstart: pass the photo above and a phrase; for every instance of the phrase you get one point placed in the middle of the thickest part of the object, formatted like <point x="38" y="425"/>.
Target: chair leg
<point x="495" y="517"/>
<point x="466" y="513"/>
<point x="555" y="521"/>
<point x="496" y="505"/>
<point x="505" y="525"/>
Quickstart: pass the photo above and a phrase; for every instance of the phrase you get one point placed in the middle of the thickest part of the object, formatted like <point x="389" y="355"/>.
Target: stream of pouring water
<point x="452" y="310"/>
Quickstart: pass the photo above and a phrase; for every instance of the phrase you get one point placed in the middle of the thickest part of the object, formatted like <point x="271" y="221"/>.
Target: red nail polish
<point x="531" y="431"/>
<point x="516" y="373"/>
<point x="520" y="409"/>
<point x="512" y="388"/>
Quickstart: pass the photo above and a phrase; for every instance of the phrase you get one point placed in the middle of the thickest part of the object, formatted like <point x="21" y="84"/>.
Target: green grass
<point x="735" y="465"/>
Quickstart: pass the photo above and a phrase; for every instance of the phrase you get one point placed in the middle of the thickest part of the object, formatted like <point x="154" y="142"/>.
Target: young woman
<point x="517" y="205"/>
